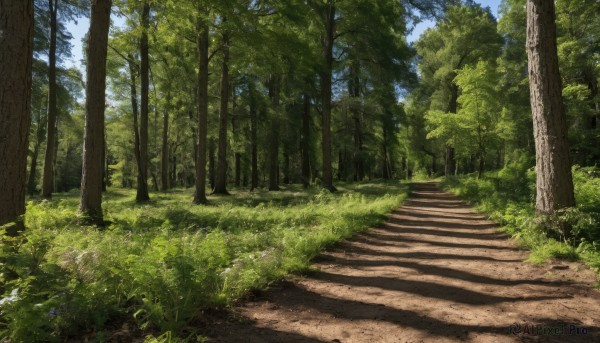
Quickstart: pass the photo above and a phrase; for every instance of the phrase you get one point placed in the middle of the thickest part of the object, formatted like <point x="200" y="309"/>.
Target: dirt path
<point x="436" y="271"/>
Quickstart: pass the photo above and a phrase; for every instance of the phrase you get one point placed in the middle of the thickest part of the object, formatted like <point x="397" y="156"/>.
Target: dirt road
<point x="436" y="271"/>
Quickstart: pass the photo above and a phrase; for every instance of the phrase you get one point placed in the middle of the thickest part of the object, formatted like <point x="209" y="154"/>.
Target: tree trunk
<point x="134" y="109"/>
<point x="305" y="143"/>
<point x="221" y="177"/>
<point x="39" y="137"/>
<point x="554" y="184"/>
<point x="16" y="44"/>
<point x="253" y="136"/>
<point x="274" y="134"/>
<point x="481" y="167"/>
<point x="354" y="91"/>
<point x="327" y="41"/>
<point x="93" y="146"/>
<point x="173" y="170"/>
<point x="142" y="184"/>
<point x="33" y="169"/>
<point x="235" y="133"/>
<point x="211" y="163"/>
<point x="385" y="164"/>
<point x="450" y="168"/>
<point x="164" y="165"/>
<point x="286" y="166"/>
<point x="48" y="176"/>
<point x="202" y="42"/>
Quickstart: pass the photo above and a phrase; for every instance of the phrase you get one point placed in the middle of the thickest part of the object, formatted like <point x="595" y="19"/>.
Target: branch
<point x="215" y="52"/>
<point x="127" y="59"/>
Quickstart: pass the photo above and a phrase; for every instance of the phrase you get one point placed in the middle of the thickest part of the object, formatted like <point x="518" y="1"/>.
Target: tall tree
<point x="48" y="176"/>
<point x="274" y="95"/>
<point x="93" y="149"/>
<point x="221" y="172"/>
<point x="253" y="133"/>
<point x="466" y="34"/>
<point x="305" y="141"/>
<point x="327" y="42"/>
<point x="142" y="182"/>
<point x="554" y="183"/>
<point x="58" y="44"/>
<point x="202" y="43"/>
<point x="16" y="45"/>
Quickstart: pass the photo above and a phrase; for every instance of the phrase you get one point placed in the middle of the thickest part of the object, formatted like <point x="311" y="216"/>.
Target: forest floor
<point x="436" y="271"/>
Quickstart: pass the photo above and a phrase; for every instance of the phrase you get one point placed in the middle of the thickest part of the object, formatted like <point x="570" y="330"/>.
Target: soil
<point x="436" y="271"/>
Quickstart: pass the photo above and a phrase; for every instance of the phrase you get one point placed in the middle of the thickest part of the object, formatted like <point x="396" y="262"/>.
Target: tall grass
<point x="163" y="263"/>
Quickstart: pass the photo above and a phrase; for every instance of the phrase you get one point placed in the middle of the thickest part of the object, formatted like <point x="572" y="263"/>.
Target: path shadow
<point x="421" y="255"/>
<point x="401" y="239"/>
<point x="435" y="229"/>
<point x="439" y="215"/>
<point x="438" y="204"/>
<point x="236" y="332"/>
<point x="296" y="299"/>
<point x="435" y="290"/>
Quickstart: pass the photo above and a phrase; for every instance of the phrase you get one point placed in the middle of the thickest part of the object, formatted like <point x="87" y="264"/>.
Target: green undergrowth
<point x="508" y="197"/>
<point x="161" y="264"/>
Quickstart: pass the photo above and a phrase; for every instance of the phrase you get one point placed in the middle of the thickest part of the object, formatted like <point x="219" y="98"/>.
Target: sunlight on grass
<point x="164" y="262"/>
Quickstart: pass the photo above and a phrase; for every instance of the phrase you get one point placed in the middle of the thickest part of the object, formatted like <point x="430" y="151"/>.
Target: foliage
<point x="508" y="197"/>
<point x="161" y="264"/>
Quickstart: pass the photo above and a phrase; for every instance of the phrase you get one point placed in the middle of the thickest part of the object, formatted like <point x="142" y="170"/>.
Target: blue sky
<point x="79" y="29"/>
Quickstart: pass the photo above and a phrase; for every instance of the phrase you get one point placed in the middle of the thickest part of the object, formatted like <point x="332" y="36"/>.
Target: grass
<point x="161" y="264"/>
<point x="508" y="196"/>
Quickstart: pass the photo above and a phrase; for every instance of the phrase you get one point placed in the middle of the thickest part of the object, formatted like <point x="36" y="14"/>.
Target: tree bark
<point x="142" y="184"/>
<point x="16" y="45"/>
<point x="235" y="132"/>
<point x="327" y="41"/>
<point x="386" y="172"/>
<point x="354" y="91"/>
<point x="305" y="143"/>
<point x="39" y="137"/>
<point x="48" y="176"/>
<point x="164" y="165"/>
<point x="135" y="112"/>
<point x="274" y="86"/>
<point x="450" y="168"/>
<point x="221" y="177"/>
<point x="253" y="136"/>
<point x="202" y="42"/>
<point x="554" y="184"/>
<point x="211" y="163"/>
<point x="93" y="146"/>
<point x="286" y="166"/>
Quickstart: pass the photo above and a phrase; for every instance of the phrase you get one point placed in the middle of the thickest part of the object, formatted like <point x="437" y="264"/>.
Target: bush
<point x="508" y="196"/>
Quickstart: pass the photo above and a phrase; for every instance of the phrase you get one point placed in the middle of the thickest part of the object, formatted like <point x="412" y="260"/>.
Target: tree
<point x="474" y="127"/>
<point x="16" y="46"/>
<point x="142" y="184"/>
<point x="465" y="35"/>
<point x="221" y="173"/>
<point x="93" y="151"/>
<point x="57" y="10"/>
<point x="328" y="37"/>
<point x="202" y="43"/>
<point x="554" y="182"/>
<point x="578" y="25"/>
<point x="48" y="176"/>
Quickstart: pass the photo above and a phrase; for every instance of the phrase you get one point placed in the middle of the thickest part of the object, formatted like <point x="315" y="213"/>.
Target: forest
<point x="204" y="150"/>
